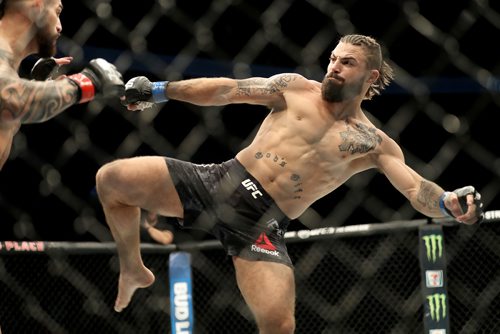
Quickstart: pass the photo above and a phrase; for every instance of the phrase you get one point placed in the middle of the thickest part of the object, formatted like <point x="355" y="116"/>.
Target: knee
<point x="277" y="325"/>
<point x="108" y="179"/>
<point x="286" y="326"/>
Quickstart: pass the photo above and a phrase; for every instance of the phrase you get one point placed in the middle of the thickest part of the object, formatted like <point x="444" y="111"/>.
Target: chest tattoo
<point x="359" y="139"/>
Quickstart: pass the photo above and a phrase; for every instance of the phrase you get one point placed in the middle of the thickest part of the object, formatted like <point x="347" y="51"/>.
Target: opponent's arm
<point x="426" y="196"/>
<point x="35" y="102"/>
<point x="142" y="93"/>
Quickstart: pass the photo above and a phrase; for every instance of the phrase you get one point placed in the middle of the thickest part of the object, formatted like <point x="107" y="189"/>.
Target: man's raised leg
<point x="124" y="187"/>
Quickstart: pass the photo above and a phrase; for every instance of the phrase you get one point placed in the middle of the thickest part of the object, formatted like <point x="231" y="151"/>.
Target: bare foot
<point x="164" y="237"/>
<point x="129" y="282"/>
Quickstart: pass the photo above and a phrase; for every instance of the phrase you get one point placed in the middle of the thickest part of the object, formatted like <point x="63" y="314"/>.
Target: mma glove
<point x="99" y="78"/>
<point x="462" y="199"/>
<point x="143" y="93"/>
<point x="44" y="68"/>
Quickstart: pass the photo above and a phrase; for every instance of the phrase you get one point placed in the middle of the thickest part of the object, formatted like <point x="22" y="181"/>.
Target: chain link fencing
<point x="347" y="282"/>
<point x="442" y="108"/>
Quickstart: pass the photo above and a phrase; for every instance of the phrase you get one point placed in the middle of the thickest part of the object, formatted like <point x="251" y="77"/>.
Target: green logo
<point x="437" y="306"/>
<point x="433" y="246"/>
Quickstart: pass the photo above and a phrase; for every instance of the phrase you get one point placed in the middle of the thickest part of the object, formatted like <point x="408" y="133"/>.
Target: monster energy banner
<point x="433" y="268"/>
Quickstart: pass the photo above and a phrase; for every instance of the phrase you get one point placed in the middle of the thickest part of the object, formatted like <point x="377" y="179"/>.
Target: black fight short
<point x="226" y="201"/>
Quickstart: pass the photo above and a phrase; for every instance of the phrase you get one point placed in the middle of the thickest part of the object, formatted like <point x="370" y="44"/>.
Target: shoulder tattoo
<point x="262" y="86"/>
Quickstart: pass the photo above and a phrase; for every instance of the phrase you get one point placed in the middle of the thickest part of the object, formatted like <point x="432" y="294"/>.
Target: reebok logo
<point x="249" y="185"/>
<point x="264" y="242"/>
<point x="264" y="245"/>
<point x="256" y="248"/>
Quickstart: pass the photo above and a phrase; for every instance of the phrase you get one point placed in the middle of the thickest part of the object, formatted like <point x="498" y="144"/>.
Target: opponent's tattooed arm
<point x="34" y="101"/>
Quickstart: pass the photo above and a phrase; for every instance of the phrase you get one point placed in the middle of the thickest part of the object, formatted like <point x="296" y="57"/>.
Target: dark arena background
<point x="443" y="109"/>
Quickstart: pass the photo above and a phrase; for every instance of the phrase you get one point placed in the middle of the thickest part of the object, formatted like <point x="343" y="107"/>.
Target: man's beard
<point x="46" y="45"/>
<point x="336" y="91"/>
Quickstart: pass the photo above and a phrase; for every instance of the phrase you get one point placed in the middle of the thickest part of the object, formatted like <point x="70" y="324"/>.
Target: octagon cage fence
<point x="365" y="260"/>
<point x="366" y="278"/>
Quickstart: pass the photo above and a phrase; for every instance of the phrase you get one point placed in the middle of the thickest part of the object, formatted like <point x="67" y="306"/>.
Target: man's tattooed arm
<point x="35" y="102"/>
<point x="265" y="87"/>
<point x="428" y="198"/>
<point x="223" y="91"/>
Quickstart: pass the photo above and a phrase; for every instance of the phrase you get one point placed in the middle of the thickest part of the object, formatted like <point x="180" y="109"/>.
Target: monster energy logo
<point x="437" y="306"/>
<point x="433" y="246"/>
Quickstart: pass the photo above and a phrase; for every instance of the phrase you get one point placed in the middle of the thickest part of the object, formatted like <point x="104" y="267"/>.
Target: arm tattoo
<point x="361" y="139"/>
<point x="428" y="196"/>
<point x="261" y="86"/>
<point x="35" y="102"/>
<point x="7" y="57"/>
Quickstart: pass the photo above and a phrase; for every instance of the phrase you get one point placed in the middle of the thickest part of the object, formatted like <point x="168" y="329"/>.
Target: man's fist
<point x="143" y="94"/>
<point x="48" y="68"/>
<point x="99" y="78"/>
<point x="460" y="200"/>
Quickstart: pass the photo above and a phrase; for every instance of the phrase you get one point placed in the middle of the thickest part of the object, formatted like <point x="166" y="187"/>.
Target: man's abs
<point x="293" y="186"/>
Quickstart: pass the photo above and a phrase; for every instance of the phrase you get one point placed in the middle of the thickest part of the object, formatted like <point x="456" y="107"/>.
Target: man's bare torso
<point x="303" y="152"/>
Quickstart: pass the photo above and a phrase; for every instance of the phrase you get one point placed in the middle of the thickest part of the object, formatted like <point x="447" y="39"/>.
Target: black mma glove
<point x="99" y="78"/>
<point x="143" y="93"/>
<point x="44" y="68"/>
<point x="462" y="199"/>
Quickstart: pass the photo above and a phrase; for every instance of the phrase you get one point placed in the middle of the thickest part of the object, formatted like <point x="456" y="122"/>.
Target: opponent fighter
<point x="32" y="27"/>
<point x="315" y="137"/>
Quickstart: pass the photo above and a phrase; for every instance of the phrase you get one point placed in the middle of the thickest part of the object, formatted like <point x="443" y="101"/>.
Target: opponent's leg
<point x="269" y="290"/>
<point x="124" y="187"/>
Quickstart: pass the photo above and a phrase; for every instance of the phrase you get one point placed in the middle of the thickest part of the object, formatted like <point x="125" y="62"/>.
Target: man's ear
<point x="37" y="9"/>
<point x="38" y="3"/>
<point x="374" y="75"/>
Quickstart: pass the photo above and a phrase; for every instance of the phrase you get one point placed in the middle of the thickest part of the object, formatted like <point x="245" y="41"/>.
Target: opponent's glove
<point x="143" y="93"/>
<point x="44" y="68"/>
<point x="462" y="199"/>
<point x="99" y="78"/>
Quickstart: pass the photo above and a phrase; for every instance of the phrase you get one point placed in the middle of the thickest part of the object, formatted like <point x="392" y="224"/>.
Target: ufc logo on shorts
<point x="249" y="185"/>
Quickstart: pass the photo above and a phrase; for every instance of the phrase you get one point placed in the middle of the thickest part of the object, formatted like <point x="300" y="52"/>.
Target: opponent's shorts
<point x="226" y="201"/>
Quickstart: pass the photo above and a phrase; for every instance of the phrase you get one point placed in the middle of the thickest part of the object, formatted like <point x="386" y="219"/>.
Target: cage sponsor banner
<point x="433" y="272"/>
<point x="22" y="246"/>
<point x="181" y="301"/>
